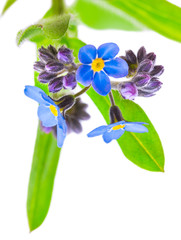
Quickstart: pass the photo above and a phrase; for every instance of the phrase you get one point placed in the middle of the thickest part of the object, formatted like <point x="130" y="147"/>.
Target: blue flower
<point x="48" y="112"/>
<point x="116" y="130"/>
<point x="97" y="64"/>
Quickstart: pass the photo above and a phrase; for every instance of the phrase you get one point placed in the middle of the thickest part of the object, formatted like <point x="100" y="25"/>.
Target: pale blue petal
<point x="116" y="68"/>
<point x="112" y="134"/>
<point x="135" y="127"/>
<point x="108" y="51"/>
<point x="38" y="95"/>
<point x="116" y="123"/>
<point x="97" y="131"/>
<point x="84" y="75"/>
<point x="61" y="134"/>
<point x="46" y="116"/>
<point x="87" y="54"/>
<point x="101" y="83"/>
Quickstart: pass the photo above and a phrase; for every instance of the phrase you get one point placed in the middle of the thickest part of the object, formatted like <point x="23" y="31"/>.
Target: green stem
<point x="58" y="7"/>
<point x="111" y="98"/>
<point x="82" y="91"/>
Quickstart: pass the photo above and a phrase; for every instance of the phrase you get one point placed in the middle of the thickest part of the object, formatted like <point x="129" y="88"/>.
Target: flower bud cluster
<point x="143" y="73"/>
<point x="57" y="68"/>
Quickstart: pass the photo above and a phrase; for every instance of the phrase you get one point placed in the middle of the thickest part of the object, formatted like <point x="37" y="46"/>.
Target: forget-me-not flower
<point x="48" y="112"/>
<point x="98" y="64"/>
<point x="116" y="130"/>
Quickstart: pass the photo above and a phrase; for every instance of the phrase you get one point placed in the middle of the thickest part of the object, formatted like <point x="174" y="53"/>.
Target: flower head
<point x="98" y="64"/>
<point x="144" y="75"/>
<point x="52" y="65"/>
<point x="116" y="130"/>
<point x="48" y="112"/>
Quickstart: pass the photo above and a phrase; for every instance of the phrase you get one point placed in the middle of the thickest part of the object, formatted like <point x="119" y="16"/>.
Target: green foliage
<point x="55" y="27"/>
<point x="45" y="161"/>
<point x="103" y="15"/>
<point x="143" y="149"/>
<point x="158" y="15"/>
<point x="8" y="4"/>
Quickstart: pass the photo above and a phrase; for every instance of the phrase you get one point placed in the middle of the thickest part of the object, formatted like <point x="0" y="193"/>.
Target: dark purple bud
<point x="45" y="55"/>
<point x="141" y="54"/>
<point x="145" y="66"/>
<point x="128" y="90"/>
<point x="69" y="81"/>
<point x="115" y="114"/>
<point x="151" y="56"/>
<point x="55" y="85"/>
<point x="145" y="94"/>
<point x="45" y="77"/>
<point x="141" y="79"/>
<point x="54" y="67"/>
<point x="157" y="71"/>
<point x="130" y="56"/>
<point x="153" y="86"/>
<point x="65" y="55"/>
<point x="52" y="50"/>
<point x="39" y="66"/>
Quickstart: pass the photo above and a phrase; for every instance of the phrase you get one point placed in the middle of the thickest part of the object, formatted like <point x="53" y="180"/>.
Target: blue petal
<point x="84" y="75"/>
<point x="108" y="51"/>
<point x="135" y="127"/>
<point x="46" y="116"/>
<point x="35" y="93"/>
<point x="101" y="83"/>
<point x="112" y="134"/>
<point x="38" y="95"/>
<point x="61" y="134"/>
<point x="116" y="68"/>
<point x="97" y="131"/>
<point x="87" y="54"/>
<point x="116" y="123"/>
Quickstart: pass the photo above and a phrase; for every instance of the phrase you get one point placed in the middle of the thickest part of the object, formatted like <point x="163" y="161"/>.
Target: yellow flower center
<point x="118" y="127"/>
<point x="54" y="110"/>
<point x="97" y="64"/>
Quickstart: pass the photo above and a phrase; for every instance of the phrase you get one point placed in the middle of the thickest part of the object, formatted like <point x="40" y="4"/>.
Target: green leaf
<point x="103" y="15"/>
<point x="143" y="149"/>
<point x="55" y="27"/>
<point x="33" y="33"/>
<point x="158" y="15"/>
<point x="8" y="4"/>
<point x="45" y="161"/>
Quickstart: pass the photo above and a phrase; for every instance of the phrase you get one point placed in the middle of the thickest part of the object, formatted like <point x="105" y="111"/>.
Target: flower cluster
<point x="56" y="68"/>
<point x="97" y="67"/>
<point x="143" y="73"/>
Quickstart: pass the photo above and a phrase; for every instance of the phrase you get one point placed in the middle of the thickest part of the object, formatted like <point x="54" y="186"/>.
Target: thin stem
<point x="111" y="98"/>
<point x="58" y="7"/>
<point x="82" y="91"/>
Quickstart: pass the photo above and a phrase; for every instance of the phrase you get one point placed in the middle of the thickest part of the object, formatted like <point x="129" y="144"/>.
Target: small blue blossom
<point x="98" y="64"/>
<point x="116" y="130"/>
<point x="48" y="112"/>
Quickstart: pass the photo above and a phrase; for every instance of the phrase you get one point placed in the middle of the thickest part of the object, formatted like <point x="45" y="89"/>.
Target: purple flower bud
<point x="145" y="94"/>
<point x="52" y="50"/>
<point x="141" y="54"/>
<point x="54" y="67"/>
<point x="151" y="56"/>
<point x="69" y="81"/>
<point x="45" y="77"/>
<point x="55" y="85"/>
<point x="130" y="56"/>
<point x="45" y="55"/>
<point x="39" y="66"/>
<point x="128" y="90"/>
<point x="145" y="66"/>
<point x="65" y="55"/>
<point x="153" y="86"/>
<point x="157" y="71"/>
<point x="45" y="129"/>
<point x="141" y="79"/>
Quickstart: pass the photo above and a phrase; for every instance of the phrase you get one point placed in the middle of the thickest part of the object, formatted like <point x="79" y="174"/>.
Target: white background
<point x="98" y="193"/>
